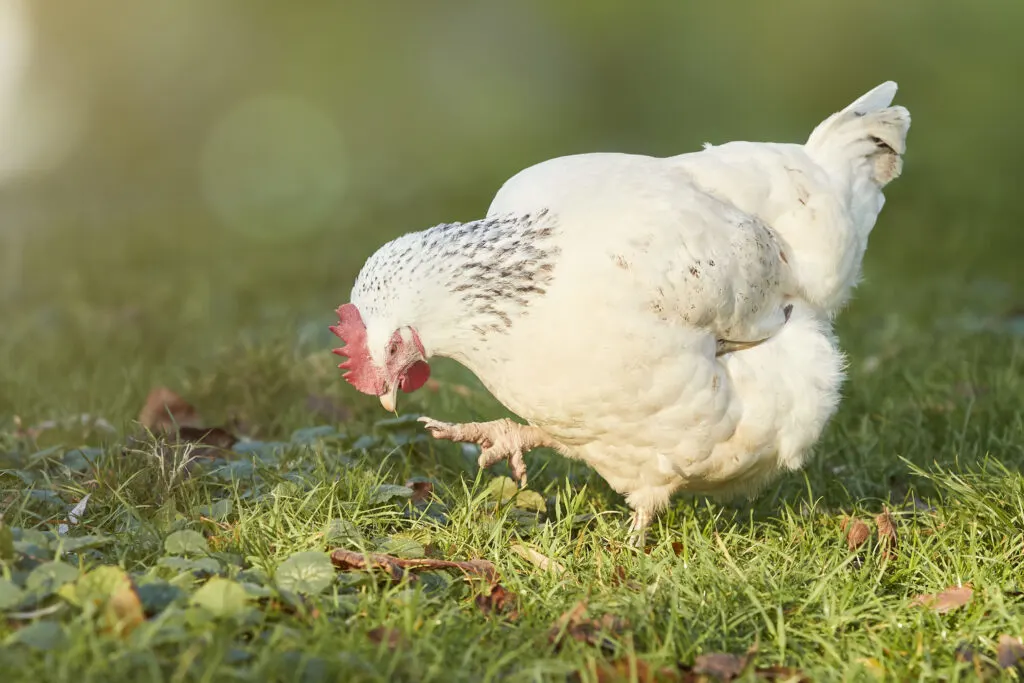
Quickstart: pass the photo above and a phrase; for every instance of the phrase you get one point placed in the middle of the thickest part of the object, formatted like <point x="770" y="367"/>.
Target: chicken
<point x="665" y="320"/>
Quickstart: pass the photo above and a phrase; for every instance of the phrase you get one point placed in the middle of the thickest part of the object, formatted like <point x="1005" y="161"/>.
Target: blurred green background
<point x="185" y="180"/>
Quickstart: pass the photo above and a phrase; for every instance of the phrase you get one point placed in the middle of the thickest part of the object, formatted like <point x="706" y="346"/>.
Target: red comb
<point x="359" y="370"/>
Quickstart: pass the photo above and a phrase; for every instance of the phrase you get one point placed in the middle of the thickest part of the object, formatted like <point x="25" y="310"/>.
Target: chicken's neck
<point x="460" y="284"/>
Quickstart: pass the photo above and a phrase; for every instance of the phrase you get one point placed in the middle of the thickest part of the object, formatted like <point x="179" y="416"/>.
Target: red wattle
<point x="415" y="377"/>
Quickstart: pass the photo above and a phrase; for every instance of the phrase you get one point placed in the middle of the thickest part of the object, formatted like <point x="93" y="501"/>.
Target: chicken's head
<point x="400" y="364"/>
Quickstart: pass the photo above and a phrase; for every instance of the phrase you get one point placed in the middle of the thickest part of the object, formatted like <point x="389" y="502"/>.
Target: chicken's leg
<point x="499" y="439"/>
<point x="642" y="518"/>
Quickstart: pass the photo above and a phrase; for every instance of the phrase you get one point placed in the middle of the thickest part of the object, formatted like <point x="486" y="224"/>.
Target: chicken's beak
<point x="389" y="399"/>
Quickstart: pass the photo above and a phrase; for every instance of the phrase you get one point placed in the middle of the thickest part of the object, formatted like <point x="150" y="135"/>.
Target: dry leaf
<point x="568" y="618"/>
<point x="946" y="601"/>
<point x="396" y="567"/>
<point x="422" y="491"/>
<point x="886" y="534"/>
<point x="214" y="437"/>
<point x="857" y="532"/>
<point x="575" y="624"/>
<point x="392" y="637"/>
<point x="498" y="600"/>
<point x="123" y="610"/>
<point x="166" y="411"/>
<point x="1009" y="652"/>
<point x="542" y="562"/>
<point x="724" y="667"/>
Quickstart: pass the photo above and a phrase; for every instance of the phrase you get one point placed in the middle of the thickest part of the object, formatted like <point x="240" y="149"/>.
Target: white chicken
<point x="665" y="320"/>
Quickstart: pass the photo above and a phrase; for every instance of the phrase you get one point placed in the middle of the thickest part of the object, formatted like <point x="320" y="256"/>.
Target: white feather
<point x="657" y="261"/>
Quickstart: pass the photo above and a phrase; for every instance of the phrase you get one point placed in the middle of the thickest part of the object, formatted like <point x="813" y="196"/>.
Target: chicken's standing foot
<point x="642" y="518"/>
<point x="499" y="440"/>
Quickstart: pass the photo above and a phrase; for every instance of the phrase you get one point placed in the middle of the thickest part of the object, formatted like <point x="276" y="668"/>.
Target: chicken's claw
<point x="438" y="429"/>
<point x="499" y="440"/>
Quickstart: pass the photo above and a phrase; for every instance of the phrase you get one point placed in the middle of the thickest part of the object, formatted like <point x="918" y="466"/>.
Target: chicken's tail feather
<point x="866" y="139"/>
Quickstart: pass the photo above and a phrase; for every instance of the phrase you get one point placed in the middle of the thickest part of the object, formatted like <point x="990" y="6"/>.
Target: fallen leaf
<point x="946" y="601"/>
<point x="724" y="667"/>
<point x="110" y="590"/>
<point x="73" y="515"/>
<point x="857" y="532"/>
<point x="575" y="624"/>
<point x="166" y="411"/>
<point x="422" y="491"/>
<point x="542" y="562"/>
<point x="396" y="567"/>
<point x="887" y="538"/>
<point x="569" y="618"/>
<point x="498" y="600"/>
<point x="391" y="637"/>
<point x="1009" y="652"/>
<point x="123" y="611"/>
<point x="214" y="437"/>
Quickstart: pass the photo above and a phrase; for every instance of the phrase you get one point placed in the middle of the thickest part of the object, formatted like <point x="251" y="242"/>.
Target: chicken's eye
<point x="392" y="350"/>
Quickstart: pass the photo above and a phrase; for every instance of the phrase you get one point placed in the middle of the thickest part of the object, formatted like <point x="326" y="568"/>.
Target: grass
<point x="127" y="283"/>
<point x="931" y="428"/>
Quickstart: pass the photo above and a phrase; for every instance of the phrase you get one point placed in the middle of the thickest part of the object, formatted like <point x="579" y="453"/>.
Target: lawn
<point x="212" y="560"/>
<point x="283" y="527"/>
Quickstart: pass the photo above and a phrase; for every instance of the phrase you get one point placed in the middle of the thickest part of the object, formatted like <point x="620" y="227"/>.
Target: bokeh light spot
<point x="273" y="167"/>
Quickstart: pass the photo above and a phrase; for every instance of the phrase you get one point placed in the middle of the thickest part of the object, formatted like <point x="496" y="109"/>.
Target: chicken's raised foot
<point x="499" y="440"/>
